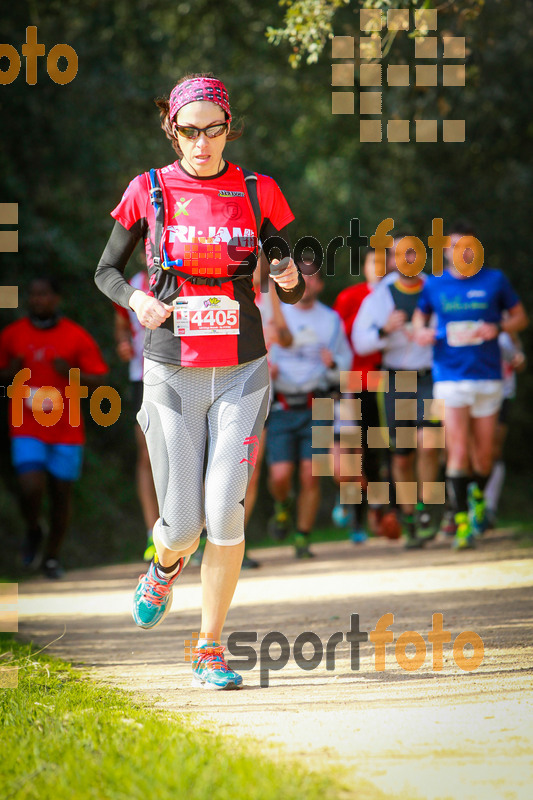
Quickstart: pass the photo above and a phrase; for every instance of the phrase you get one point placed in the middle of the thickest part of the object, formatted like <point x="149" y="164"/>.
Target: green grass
<point x="64" y="737"/>
<point x="523" y="535"/>
<point x="318" y="535"/>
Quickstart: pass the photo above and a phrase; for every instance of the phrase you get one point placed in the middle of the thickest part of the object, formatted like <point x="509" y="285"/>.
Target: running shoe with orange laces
<point x="210" y="670"/>
<point x="153" y="597"/>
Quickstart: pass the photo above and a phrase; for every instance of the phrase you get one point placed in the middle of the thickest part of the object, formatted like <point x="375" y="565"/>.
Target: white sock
<point x="494" y="486"/>
<point x="165" y="573"/>
<point x="208" y="643"/>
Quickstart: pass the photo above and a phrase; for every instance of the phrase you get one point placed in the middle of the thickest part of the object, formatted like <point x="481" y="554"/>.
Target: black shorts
<point x="137" y="395"/>
<point x="394" y="413"/>
<point x="505" y="408"/>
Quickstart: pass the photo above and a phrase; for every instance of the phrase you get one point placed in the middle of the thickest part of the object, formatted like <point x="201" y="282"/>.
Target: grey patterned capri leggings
<point x="183" y="410"/>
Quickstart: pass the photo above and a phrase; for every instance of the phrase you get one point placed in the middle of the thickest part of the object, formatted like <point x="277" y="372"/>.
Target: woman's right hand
<point x="151" y="312"/>
<point x="125" y="350"/>
<point x="424" y="336"/>
<point x="395" y="321"/>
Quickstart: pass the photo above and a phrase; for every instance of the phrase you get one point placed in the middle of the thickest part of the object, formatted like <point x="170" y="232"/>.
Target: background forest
<point x="68" y="152"/>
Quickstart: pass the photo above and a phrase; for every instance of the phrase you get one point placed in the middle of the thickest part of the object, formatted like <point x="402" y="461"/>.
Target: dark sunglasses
<point x="212" y="131"/>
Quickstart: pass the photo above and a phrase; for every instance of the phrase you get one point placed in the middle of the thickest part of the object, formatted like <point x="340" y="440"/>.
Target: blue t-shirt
<point x="456" y="301"/>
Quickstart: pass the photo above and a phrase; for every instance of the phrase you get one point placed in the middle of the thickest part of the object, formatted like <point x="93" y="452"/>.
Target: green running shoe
<point x="210" y="671"/>
<point x="149" y="553"/>
<point x="301" y="546"/>
<point x="412" y="542"/>
<point x="279" y="524"/>
<point x="425" y="528"/>
<point x="153" y="597"/>
<point x="464" y="538"/>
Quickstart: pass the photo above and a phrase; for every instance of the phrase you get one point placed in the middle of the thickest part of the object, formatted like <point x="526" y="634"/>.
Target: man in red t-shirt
<point x="46" y="441"/>
<point x="347" y="305"/>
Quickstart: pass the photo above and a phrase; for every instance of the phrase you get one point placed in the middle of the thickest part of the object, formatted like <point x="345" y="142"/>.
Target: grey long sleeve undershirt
<point x="109" y="276"/>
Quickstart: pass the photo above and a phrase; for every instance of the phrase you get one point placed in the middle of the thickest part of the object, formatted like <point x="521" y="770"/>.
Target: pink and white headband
<point x="194" y="89"/>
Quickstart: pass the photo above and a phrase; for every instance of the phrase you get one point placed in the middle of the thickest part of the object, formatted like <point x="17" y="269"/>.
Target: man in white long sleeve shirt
<point x="306" y="369"/>
<point x="384" y="323"/>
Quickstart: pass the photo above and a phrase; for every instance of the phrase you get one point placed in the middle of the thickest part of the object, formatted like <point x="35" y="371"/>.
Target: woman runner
<point x="205" y="370"/>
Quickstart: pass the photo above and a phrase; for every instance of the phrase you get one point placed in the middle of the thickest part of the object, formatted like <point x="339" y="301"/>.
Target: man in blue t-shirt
<point x="470" y="311"/>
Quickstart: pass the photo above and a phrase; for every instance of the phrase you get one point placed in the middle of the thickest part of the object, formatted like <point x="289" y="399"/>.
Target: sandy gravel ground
<point x="413" y="734"/>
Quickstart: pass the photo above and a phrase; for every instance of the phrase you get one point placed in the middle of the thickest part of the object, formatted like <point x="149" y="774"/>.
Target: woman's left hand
<point x="288" y="278"/>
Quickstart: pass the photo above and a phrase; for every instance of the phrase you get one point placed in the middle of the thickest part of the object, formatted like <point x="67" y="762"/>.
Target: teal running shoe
<point x="476" y="510"/>
<point x="340" y="516"/>
<point x="153" y="597"/>
<point x="210" y="671"/>
<point x="464" y="538"/>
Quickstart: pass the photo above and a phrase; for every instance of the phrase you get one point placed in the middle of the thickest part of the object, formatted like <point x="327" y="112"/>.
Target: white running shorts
<point x="482" y="397"/>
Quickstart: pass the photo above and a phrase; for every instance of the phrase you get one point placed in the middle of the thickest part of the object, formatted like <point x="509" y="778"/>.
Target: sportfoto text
<point x="46" y="403"/>
<point x="380" y="636"/>
<point x="31" y="51"/>
<point x="380" y="241"/>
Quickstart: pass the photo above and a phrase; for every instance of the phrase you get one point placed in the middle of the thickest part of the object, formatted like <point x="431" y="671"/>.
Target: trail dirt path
<point x="425" y="734"/>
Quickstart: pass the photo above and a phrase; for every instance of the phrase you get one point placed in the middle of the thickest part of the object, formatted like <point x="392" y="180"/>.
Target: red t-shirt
<point x="38" y="348"/>
<point x="202" y="215"/>
<point x="347" y="305"/>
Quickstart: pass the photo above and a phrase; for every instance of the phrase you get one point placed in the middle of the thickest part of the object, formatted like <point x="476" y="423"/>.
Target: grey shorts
<point x="185" y="410"/>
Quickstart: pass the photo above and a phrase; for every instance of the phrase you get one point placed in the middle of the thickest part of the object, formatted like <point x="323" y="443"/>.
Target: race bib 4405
<point x="201" y="316"/>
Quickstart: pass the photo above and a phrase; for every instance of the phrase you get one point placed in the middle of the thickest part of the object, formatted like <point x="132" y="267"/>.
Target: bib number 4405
<point x="214" y="318"/>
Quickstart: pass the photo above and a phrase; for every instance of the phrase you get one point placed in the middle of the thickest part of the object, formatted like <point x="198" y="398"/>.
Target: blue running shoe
<point x="340" y="516"/>
<point x="358" y="536"/>
<point x="210" y="670"/>
<point x="32" y="547"/>
<point x="476" y="510"/>
<point x="153" y="597"/>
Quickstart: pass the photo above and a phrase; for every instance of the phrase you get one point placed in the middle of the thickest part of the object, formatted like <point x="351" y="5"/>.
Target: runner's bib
<point x="463" y="333"/>
<point x="199" y="316"/>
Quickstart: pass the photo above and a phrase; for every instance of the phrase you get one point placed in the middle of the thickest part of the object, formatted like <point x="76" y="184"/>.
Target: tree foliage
<point x="308" y="24"/>
<point x="68" y="152"/>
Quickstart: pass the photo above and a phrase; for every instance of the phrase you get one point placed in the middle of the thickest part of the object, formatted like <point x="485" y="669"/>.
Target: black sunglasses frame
<point x="180" y="128"/>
